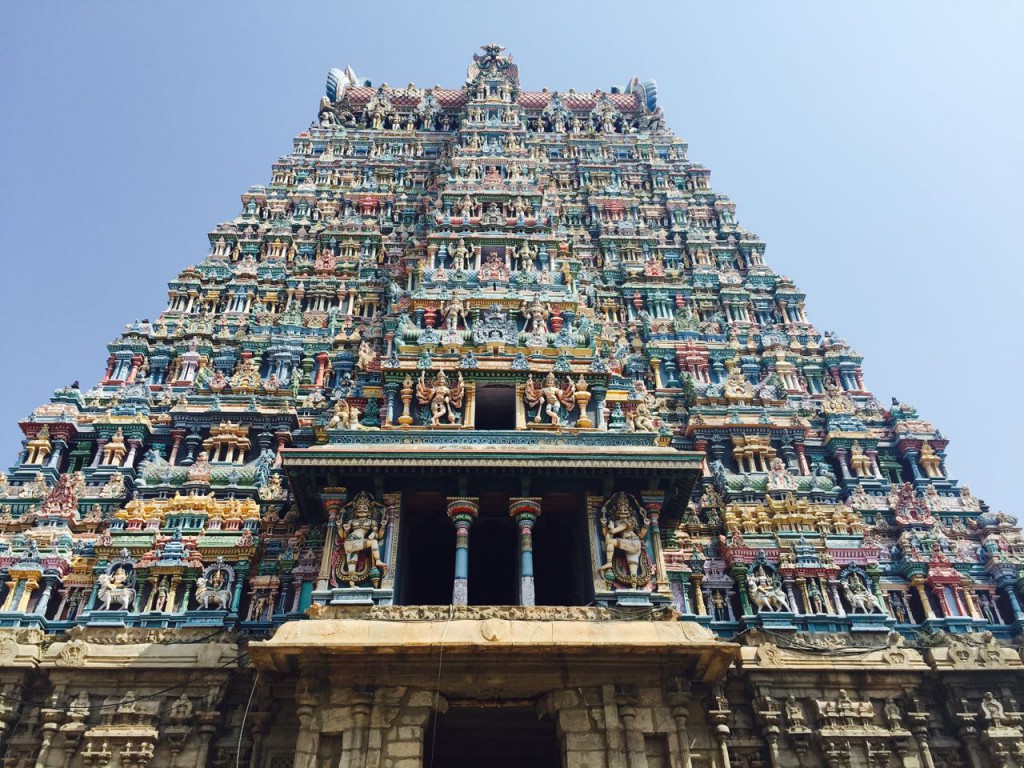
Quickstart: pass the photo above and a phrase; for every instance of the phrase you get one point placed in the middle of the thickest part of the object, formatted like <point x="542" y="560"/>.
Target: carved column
<point x="653" y="500"/>
<point x="525" y="510"/>
<point x="44" y="599"/>
<point x="354" y="743"/>
<point x="917" y="582"/>
<point x="678" y="695"/>
<point x="462" y="510"/>
<point x="718" y="716"/>
<point x="968" y="730"/>
<point x="129" y="460"/>
<point x="308" y="740"/>
<point x="801" y="458"/>
<point x="769" y="716"/>
<point x="51" y="721"/>
<point x="100" y="444"/>
<point x="911" y="458"/>
<point x="178" y="435"/>
<point x="841" y="456"/>
<point x="333" y="508"/>
<point x="282" y="438"/>
<point x="636" y="754"/>
<point x="919" y="720"/>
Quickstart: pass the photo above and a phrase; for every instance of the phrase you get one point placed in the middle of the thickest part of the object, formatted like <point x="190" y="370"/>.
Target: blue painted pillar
<point x="911" y="457"/>
<point x="462" y="510"/>
<point x="525" y="511"/>
<point x="306" y="596"/>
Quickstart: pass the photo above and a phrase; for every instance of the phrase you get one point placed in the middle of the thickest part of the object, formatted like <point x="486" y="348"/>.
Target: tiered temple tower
<point x="485" y="433"/>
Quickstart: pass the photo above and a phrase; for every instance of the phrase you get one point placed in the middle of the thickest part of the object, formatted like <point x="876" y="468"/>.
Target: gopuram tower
<point x="484" y="435"/>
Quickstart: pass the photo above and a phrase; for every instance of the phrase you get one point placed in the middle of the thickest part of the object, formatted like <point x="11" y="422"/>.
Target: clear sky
<point x="877" y="147"/>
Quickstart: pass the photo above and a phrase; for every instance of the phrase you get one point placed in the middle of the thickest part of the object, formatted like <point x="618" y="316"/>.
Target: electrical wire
<point x="437" y="685"/>
<point x="241" y="728"/>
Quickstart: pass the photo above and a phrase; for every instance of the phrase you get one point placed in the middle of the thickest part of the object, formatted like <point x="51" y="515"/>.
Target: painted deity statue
<point x="344" y="416"/>
<point x="765" y="593"/>
<point x="549" y="397"/>
<point x="454" y="314"/>
<point x="536" y="314"/>
<point x="860" y="597"/>
<point x="443" y="398"/>
<point x="623" y="531"/>
<point x="362" y="528"/>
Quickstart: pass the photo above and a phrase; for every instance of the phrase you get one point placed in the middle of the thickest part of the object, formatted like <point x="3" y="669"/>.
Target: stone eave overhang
<point x="484" y="642"/>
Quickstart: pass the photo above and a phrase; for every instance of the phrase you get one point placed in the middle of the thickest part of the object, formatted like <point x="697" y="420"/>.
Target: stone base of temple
<point x="404" y="687"/>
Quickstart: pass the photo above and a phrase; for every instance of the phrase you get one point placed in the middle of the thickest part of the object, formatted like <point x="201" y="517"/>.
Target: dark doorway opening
<point x="496" y="407"/>
<point x="493" y="552"/>
<point x="427" y="551"/>
<point x="561" y="553"/>
<point x="497" y="736"/>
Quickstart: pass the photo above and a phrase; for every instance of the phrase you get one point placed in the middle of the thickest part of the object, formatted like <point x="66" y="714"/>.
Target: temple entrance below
<point x="498" y="736"/>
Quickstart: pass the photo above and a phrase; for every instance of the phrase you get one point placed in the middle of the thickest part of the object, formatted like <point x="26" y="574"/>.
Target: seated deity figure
<point x="641" y="420"/>
<point x="765" y="593"/>
<point x="344" y="416"/>
<point x="929" y="460"/>
<point x="623" y="532"/>
<point x="366" y="356"/>
<point x="860" y="462"/>
<point x="200" y="472"/>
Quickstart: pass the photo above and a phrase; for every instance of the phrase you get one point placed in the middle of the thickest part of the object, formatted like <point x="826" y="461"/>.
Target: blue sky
<point x="875" y="146"/>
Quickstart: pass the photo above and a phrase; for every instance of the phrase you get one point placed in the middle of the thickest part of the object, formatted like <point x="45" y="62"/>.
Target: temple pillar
<point x="801" y="458"/>
<point x="525" y="510"/>
<point x="844" y="467"/>
<point x="912" y="457"/>
<point x="653" y="500"/>
<point x="282" y="438"/>
<point x="333" y="508"/>
<point x="307" y="742"/>
<point x="679" y="699"/>
<point x="1007" y="585"/>
<point x="918" y="583"/>
<point x="100" y="443"/>
<point x="129" y="460"/>
<point x="178" y="435"/>
<point x="462" y="511"/>
<point x="44" y="599"/>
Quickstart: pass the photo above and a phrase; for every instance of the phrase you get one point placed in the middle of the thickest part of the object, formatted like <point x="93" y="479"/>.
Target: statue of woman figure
<point x="625" y="533"/>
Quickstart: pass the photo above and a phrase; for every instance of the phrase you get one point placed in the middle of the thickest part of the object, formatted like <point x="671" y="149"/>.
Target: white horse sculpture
<point x="767" y="596"/>
<point x="862" y="601"/>
<point x="205" y="595"/>
<point x="111" y="593"/>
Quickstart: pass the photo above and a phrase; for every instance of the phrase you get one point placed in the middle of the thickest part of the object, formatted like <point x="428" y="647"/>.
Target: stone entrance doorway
<point x="496" y="736"/>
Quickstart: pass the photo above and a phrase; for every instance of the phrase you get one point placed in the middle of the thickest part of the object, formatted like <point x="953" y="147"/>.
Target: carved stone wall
<point x="147" y="699"/>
